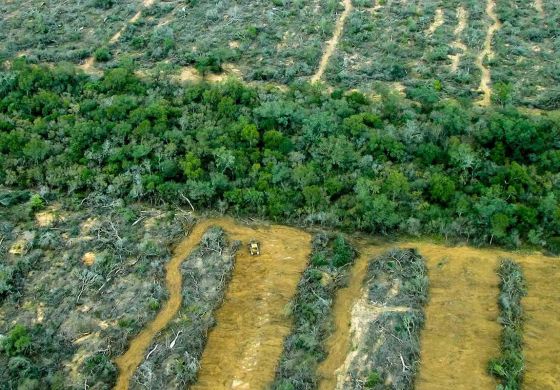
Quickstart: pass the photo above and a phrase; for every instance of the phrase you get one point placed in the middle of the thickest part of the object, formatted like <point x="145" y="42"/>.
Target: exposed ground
<point x="333" y="42"/>
<point x="542" y="326"/>
<point x="244" y="347"/>
<point x="461" y="332"/>
<point x="253" y="309"/>
<point x="458" y="44"/>
<point x="487" y="54"/>
<point x="539" y="7"/>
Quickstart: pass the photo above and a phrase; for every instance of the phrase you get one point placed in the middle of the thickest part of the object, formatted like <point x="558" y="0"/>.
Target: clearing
<point x="461" y="332"/>
<point x="253" y="309"/>
<point x="244" y="347"/>
<point x="542" y="326"/>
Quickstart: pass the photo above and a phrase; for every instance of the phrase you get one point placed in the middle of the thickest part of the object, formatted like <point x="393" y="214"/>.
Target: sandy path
<point x="333" y="42"/>
<point x="462" y="17"/>
<point x="485" y="79"/>
<point x="243" y="350"/>
<point x="438" y="22"/>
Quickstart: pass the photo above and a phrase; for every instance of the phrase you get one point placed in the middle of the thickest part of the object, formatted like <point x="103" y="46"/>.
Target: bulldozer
<point x="254" y="248"/>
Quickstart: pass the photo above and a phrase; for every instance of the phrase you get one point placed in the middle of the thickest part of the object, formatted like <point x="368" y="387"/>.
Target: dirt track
<point x="333" y="42"/>
<point x="485" y="79"/>
<point x="462" y="17"/>
<point x="243" y="350"/>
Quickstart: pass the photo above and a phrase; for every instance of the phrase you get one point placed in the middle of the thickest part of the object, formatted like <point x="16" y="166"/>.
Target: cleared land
<point x="460" y="329"/>
<point x="542" y="326"/>
<point x="243" y="349"/>
<point x="253" y="308"/>
<point x="486" y="54"/>
<point x="461" y="332"/>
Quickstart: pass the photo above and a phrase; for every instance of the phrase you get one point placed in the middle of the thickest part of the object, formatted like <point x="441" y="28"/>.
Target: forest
<point x="422" y="164"/>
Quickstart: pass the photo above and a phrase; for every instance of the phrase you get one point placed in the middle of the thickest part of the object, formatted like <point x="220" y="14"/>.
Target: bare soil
<point x="461" y="332"/>
<point x="539" y="7"/>
<point x="128" y="362"/>
<point x="243" y="349"/>
<point x="542" y="327"/>
<point x="462" y="16"/>
<point x="487" y="52"/>
<point x="333" y="42"/>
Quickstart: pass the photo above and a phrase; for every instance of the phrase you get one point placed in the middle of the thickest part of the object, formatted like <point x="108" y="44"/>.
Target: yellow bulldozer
<point x="254" y="248"/>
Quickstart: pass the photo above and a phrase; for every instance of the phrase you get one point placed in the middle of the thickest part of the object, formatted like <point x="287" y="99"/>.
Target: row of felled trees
<point x="421" y="166"/>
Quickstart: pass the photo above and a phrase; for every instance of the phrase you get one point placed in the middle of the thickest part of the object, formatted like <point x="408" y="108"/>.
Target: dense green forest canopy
<point x="420" y="165"/>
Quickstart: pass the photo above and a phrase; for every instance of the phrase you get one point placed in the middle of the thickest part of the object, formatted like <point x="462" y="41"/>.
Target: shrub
<point x="18" y="341"/>
<point x="102" y="54"/>
<point x="104" y="4"/>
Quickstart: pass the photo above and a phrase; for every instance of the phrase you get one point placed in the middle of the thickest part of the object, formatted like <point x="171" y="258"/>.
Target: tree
<point x="442" y="188"/>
